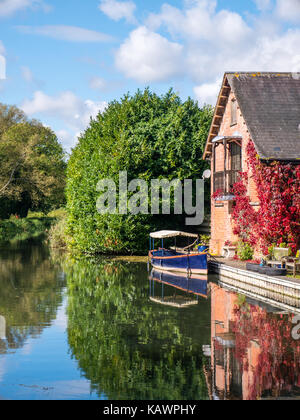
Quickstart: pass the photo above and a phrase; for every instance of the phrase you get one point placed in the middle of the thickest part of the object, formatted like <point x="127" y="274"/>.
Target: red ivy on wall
<point x="278" y="218"/>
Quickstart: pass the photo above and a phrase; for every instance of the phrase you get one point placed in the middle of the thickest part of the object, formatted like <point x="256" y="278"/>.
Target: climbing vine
<point x="278" y="218"/>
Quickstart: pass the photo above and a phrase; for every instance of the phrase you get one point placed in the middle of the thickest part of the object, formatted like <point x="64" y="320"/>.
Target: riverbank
<point x="283" y="290"/>
<point x="18" y="230"/>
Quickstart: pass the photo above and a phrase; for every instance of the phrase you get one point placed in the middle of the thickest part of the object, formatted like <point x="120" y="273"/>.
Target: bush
<point x="150" y="137"/>
<point x="35" y="215"/>
<point x="57" y="234"/>
<point x="58" y="214"/>
<point x="245" y="251"/>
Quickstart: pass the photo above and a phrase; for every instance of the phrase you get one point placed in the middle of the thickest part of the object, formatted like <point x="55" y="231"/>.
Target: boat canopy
<point x="171" y="234"/>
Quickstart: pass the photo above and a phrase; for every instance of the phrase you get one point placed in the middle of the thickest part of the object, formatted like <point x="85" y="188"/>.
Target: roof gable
<point x="270" y="105"/>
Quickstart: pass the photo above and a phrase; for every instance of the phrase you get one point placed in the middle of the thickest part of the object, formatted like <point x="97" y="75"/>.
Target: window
<point x="225" y="179"/>
<point x="236" y="163"/>
<point x="236" y="157"/>
<point x="233" y="112"/>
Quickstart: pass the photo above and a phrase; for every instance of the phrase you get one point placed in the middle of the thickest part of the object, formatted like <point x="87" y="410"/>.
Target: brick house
<point x="264" y="108"/>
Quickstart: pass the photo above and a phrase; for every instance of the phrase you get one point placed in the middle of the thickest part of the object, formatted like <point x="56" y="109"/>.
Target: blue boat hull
<point x="175" y="261"/>
<point x="196" y="285"/>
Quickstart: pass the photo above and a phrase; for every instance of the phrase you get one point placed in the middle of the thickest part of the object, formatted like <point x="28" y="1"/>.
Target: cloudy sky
<point x="65" y="60"/>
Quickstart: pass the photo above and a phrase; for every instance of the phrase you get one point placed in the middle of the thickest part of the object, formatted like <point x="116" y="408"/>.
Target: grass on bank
<point x="35" y="225"/>
<point x="292" y="277"/>
<point x="57" y="235"/>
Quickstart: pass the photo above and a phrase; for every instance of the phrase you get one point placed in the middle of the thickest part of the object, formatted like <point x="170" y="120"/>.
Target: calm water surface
<point x="98" y="329"/>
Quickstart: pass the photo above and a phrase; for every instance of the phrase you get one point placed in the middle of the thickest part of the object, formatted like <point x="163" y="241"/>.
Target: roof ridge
<point x="261" y="73"/>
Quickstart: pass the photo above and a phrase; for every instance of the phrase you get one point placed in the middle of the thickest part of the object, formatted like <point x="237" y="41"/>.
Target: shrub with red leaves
<point x="278" y="217"/>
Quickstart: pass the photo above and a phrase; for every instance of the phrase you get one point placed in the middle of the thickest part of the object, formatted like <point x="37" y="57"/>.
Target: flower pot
<point x="228" y="251"/>
<point x="202" y="248"/>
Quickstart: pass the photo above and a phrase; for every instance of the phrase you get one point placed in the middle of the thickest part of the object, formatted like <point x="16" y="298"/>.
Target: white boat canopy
<point x="171" y="234"/>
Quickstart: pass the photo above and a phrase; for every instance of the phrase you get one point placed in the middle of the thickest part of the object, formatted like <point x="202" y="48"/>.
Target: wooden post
<point x="225" y="166"/>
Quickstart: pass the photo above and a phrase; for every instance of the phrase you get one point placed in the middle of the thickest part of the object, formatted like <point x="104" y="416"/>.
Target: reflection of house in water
<point x="192" y="286"/>
<point x="2" y="328"/>
<point x="253" y="355"/>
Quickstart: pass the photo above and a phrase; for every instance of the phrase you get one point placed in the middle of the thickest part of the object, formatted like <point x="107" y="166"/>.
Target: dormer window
<point x="233" y="112"/>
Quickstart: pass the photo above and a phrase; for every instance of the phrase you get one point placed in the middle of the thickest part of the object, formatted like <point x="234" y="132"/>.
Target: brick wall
<point x="221" y="225"/>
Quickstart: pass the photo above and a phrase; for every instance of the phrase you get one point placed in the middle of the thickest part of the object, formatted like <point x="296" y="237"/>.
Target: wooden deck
<point x="242" y="266"/>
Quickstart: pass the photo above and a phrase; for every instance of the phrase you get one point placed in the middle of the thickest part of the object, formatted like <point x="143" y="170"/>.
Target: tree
<point x="32" y="166"/>
<point x="10" y="116"/>
<point x="148" y="136"/>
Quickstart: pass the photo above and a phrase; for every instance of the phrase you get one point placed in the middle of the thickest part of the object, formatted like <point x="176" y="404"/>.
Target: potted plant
<point x="203" y="244"/>
<point x="229" y="249"/>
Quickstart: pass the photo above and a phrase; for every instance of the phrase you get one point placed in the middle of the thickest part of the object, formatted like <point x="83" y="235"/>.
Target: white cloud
<point x="263" y="5"/>
<point x="117" y="10"/>
<point x="67" y="138"/>
<point x="149" y="57"/>
<point x="2" y="64"/>
<point x="98" y="83"/>
<point x="30" y="78"/>
<point x="2" y="48"/>
<point x="200" y="21"/>
<point x="74" y="112"/>
<point x="207" y="93"/>
<point x="27" y="74"/>
<point x="9" y="7"/>
<point x="218" y="40"/>
<point x="66" y="33"/>
<point x="288" y="10"/>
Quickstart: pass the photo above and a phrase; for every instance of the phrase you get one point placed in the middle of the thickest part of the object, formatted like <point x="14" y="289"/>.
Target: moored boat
<point x="181" y="260"/>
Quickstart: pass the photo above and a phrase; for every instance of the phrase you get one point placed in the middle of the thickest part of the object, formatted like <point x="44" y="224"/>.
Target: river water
<point x="101" y="329"/>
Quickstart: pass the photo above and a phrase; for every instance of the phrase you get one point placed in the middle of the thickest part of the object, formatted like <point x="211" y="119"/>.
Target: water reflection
<point x="30" y="294"/>
<point x="2" y="328"/>
<point x="253" y="354"/>
<point x="130" y="338"/>
<point x="128" y="347"/>
<point x="193" y="286"/>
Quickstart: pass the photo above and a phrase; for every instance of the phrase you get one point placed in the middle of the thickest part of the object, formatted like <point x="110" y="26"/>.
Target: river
<point x="93" y="329"/>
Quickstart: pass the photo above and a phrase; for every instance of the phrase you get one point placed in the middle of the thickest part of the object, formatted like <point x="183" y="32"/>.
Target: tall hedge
<point x="148" y="136"/>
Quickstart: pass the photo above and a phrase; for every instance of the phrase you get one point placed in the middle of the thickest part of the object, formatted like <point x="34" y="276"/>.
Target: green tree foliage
<point x="32" y="166"/>
<point x="127" y="346"/>
<point x="148" y="136"/>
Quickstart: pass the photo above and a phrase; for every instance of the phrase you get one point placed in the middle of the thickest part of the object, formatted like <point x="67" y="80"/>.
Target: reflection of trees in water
<point x="30" y="293"/>
<point x="128" y="347"/>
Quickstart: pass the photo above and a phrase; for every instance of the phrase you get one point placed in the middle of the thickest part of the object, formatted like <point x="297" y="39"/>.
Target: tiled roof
<point x="270" y="104"/>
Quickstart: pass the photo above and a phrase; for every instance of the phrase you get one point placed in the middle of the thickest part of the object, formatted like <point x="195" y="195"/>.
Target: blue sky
<point x="65" y="60"/>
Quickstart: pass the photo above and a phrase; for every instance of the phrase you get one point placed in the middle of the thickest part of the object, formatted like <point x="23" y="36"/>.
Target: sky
<point x="64" y="61"/>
